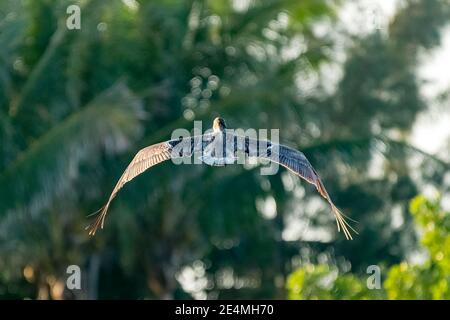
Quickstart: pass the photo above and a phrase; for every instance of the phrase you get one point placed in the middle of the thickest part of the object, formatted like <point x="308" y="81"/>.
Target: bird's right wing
<point x="147" y="158"/>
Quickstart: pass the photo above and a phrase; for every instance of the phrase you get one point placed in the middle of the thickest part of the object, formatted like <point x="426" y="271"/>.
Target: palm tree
<point x="76" y="105"/>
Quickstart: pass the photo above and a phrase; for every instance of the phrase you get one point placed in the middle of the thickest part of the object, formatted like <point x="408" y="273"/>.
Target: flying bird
<point x="219" y="148"/>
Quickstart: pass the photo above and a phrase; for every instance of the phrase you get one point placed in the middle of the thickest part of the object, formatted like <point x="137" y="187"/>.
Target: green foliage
<point x="49" y="164"/>
<point x="324" y="282"/>
<point x="406" y="281"/>
<point x="430" y="279"/>
<point x="75" y="106"/>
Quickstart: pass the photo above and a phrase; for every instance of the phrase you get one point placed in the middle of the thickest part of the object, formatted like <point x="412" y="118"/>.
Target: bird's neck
<point x="219" y="130"/>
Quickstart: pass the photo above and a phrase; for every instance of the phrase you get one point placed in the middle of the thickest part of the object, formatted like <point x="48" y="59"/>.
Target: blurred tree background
<point x="76" y="105"/>
<point x="426" y="280"/>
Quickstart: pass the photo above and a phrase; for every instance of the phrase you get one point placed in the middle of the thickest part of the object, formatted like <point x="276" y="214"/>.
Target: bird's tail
<point x="342" y="223"/>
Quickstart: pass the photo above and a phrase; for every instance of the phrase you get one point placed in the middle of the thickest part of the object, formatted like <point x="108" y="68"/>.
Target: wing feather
<point x="145" y="159"/>
<point x="296" y="162"/>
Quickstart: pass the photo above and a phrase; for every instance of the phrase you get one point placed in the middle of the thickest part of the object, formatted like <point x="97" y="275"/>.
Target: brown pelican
<point x="219" y="148"/>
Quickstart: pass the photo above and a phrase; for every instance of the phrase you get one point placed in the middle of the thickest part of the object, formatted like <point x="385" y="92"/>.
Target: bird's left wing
<point x="297" y="163"/>
<point x="145" y="159"/>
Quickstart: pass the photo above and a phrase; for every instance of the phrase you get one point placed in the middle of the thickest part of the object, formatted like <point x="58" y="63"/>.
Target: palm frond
<point x="380" y="144"/>
<point x="49" y="165"/>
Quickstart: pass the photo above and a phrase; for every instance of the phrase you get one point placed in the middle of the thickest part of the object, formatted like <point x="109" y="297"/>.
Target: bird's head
<point x="219" y="124"/>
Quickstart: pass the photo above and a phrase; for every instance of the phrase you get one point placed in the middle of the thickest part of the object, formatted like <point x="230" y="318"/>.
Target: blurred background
<point x="362" y="87"/>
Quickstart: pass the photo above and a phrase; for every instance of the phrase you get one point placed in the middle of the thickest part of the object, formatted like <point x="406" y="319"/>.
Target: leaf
<point x="383" y="145"/>
<point x="48" y="166"/>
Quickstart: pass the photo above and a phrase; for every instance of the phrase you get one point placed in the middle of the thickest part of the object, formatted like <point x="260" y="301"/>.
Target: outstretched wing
<point x="297" y="163"/>
<point x="145" y="159"/>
